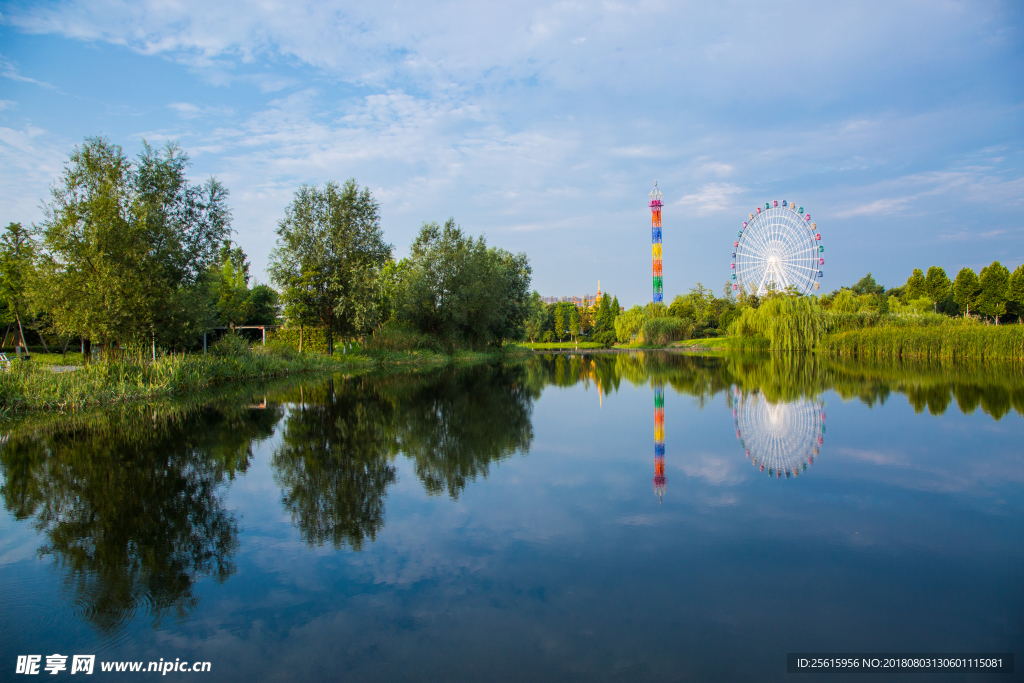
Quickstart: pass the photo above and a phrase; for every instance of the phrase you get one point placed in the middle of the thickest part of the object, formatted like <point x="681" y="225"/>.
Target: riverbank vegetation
<point x="28" y="387"/>
<point x="135" y="264"/>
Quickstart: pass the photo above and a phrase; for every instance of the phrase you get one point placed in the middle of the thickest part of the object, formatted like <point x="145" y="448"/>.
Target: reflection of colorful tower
<point x="656" y="240"/>
<point x="659" y="441"/>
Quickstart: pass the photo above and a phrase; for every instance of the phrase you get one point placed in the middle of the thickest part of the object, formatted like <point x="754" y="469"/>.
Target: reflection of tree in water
<point x="455" y="427"/>
<point x="997" y="388"/>
<point x="131" y="505"/>
<point x="334" y="463"/>
<point x="780" y="438"/>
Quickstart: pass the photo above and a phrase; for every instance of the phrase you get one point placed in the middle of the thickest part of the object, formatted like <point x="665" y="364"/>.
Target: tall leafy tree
<point x="966" y="288"/>
<point x="125" y="246"/>
<point x="994" y="283"/>
<point x="1015" y="292"/>
<point x="458" y="289"/>
<point x="536" y="317"/>
<point x="604" y="320"/>
<point x="867" y="285"/>
<point x="916" y="286"/>
<point x="937" y="284"/>
<point x="17" y="254"/>
<point x="329" y="255"/>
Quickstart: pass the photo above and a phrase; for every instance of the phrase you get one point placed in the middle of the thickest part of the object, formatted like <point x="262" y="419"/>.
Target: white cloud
<point x="712" y="198"/>
<point x="7" y="104"/>
<point x="9" y="70"/>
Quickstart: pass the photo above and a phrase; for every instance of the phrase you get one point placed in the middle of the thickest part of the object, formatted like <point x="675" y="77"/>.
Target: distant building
<point x="588" y="300"/>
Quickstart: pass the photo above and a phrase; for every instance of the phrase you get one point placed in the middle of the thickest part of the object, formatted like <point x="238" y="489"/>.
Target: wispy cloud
<point x="9" y="70"/>
<point x="712" y="198"/>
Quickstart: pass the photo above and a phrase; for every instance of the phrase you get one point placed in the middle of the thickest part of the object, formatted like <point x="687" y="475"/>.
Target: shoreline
<point x="37" y="389"/>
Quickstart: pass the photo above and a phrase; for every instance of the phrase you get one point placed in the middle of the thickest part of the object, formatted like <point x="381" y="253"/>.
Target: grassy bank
<point x="31" y="387"/>
<point x="543" y="346"/>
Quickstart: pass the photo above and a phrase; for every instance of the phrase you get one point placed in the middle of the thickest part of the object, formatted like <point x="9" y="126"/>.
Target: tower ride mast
<point x="659" y="440"/>
<point x="655" y="205"/>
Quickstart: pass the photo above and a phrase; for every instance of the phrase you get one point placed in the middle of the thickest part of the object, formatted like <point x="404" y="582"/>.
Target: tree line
<point x="130" y="253"/>
<point x="996" y="294"/>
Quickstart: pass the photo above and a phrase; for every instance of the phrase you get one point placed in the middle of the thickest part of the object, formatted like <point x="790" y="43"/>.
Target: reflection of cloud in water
<point x="779" y="438"/>
<point x="714" y="469"/>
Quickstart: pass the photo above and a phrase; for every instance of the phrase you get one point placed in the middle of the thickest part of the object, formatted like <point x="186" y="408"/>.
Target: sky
<point x="543" y="125"/>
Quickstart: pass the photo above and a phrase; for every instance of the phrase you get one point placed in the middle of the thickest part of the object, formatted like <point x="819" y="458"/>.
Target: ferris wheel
<point x="777" y="248"/>
<point x="780" y="439"/>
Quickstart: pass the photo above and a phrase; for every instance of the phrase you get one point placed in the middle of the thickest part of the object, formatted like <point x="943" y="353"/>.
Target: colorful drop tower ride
<point x="655" y="205"/>
<point x="659" y="440"/>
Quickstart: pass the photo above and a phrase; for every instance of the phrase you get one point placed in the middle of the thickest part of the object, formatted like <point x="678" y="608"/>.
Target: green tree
<point x="126" y="247"/>
<point x="937" y="284"/>
<point x="17" y="254"/>
<point x="329" y="255"/>
<point x="459" y="289"/>
<point x="604" y="320"/>
<point x="536" y="317"/>
<point x="994" y="283"/>
<point x="966" y="288"/>
<point x="230" y="286"/>
<point x="867" y="285"/>
<point x="629" y="324"/>
<point x="263" y="305"/>
<point x="915" y="287"/>
<point x="575" y="324"/>
<point x="561" y="320"/>
<point x="1015" y="293"/>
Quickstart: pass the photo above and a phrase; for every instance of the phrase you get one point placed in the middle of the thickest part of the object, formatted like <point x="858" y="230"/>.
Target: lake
<point x="647" y="516"/>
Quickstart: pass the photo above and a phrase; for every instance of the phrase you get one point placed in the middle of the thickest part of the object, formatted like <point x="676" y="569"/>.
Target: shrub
<point x="278" y="349"/>
<point x="394" y="336"/>
<point x="231" y="346"/>
<point x="314" y="339"/>
<point x="665" y="330"/>
<point x="548" y="337"/>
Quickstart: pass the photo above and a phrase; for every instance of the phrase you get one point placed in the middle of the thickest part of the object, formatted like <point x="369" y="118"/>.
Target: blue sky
<point x="899" y="125"/>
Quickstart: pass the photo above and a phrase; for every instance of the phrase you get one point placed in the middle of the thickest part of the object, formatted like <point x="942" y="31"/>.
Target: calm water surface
<point x="602" y="517"/>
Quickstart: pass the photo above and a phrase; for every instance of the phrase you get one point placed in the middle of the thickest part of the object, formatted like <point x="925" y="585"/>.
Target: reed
<point x="950" y="341"/>
<point x="29" y="387"/>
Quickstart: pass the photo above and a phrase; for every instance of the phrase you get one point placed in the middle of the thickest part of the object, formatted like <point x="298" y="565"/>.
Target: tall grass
<point x="659" y="331"/>
<point x="951" y="341"/>
<point x="29" y="387"/>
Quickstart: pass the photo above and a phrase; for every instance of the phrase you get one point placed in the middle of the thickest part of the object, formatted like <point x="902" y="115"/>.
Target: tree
<point x="330" y="251"/>
<point x="915" y="287"/>
<point x="263" y="305"/>
<point x="17" y="253"/>
<point x="536" y="317"/>
<point x="575" y="325"/>
<point x="1015" y="293"/>
<point x="937" y="285"/>
<point x="994" y="283"/>
<point x="561" y="321"/>
<point x="867" y="285"/>
<point x="458" y="289"/>
<point x="629" y="324"/>
<point x="966" y="288"/>
<point x="604" y="320"/>
<point x="230" y="286"/>
<point x="125" y="247"/>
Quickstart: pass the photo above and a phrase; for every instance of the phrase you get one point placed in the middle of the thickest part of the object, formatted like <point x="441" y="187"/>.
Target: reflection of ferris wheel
<point x="778" y="247"/>
<point x="780" y="438"/>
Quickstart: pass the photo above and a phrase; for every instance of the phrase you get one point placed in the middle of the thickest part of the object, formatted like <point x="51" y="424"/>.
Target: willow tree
<point x="126" y="246"/>
<point x="328" y="259"/>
